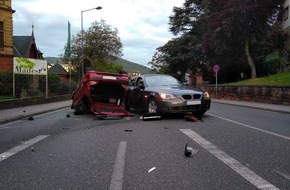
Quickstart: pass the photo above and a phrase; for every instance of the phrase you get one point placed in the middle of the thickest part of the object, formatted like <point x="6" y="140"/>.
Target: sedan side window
<point x="132" y="82"/>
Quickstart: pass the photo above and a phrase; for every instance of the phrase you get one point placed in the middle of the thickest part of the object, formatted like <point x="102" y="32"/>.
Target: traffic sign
<point x="216" y="68"/>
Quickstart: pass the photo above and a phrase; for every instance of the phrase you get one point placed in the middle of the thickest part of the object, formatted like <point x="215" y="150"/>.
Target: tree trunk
<point x="250" y="60"/>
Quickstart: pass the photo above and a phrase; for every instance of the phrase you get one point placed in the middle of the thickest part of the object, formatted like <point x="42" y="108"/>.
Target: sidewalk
<point x="13" y="114"/>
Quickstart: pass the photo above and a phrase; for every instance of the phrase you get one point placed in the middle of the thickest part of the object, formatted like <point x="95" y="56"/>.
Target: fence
<point x="32" y="86"/>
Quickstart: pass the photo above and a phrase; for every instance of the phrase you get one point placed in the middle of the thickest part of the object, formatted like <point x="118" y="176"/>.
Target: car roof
<point x="146" y="75"/>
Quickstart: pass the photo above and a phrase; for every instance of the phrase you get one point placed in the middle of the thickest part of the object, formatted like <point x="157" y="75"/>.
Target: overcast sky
<point x="142" y="24"/>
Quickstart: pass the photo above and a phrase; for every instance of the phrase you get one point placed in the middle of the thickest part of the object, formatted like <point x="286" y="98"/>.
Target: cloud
<point x="142" y="25"/>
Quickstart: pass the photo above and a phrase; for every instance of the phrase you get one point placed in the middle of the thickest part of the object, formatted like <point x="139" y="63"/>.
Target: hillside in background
<point x="54" y="60"/>
<point x="131" y="67"/>
<point x="128" y="66"/>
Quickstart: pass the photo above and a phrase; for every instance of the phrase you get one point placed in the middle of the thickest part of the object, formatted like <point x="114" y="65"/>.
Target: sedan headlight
<point x="168" y="96"/>
<point x="206" y="95"/>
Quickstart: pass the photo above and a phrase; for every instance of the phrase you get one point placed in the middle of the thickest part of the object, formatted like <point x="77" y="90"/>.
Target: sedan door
<point x="137" y="93"/>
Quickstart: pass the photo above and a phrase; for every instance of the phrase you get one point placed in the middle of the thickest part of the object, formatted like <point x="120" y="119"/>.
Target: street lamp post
<point x="82" y="40"/>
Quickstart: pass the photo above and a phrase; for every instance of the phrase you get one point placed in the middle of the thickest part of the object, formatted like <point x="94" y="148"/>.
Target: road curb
<point x="18" y="117"/>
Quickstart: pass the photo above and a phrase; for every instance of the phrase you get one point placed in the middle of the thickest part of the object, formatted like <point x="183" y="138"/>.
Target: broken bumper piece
<point x="110" y="110"/>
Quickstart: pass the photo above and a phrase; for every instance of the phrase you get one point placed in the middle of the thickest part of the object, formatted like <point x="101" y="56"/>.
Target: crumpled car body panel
<point x="101" y="93"/>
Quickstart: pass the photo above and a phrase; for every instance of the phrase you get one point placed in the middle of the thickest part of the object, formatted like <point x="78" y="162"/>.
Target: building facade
<point x="6" y="35"/>
<point x="286" y="23"/>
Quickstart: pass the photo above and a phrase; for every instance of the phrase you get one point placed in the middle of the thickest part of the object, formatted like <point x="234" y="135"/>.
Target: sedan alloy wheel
<point x="152" y="106"/>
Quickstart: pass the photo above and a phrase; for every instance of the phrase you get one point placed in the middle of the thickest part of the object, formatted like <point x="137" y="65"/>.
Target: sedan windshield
<point x="161" y="80"/>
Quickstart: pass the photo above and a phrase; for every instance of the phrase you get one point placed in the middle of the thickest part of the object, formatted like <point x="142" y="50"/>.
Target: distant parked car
<point x="101" y="93"/>
<point x="157" y="93"/>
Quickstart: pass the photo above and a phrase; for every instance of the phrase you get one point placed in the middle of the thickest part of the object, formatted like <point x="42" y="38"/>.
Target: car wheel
<point x="127" y="103"/>
<point x="152" y="106"/>
<point x="200" y="113"/>
<point x="82" y="108"/>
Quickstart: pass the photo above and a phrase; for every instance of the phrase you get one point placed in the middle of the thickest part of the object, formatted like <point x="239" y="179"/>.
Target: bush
<point x="53" y="83"/>
<point x="6" y="83"/>
<point x="56" y="86"/>
<point x="274" y="63"/>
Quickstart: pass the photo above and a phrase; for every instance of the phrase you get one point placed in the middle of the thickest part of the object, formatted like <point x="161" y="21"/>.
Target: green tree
<point x="184" y="53"/>
<point x="177" y="57"/>
<point x="237" y="27"/>
<point x="101" y="45"/>
<point x="103" y="65"/>
<point x="190" y="19"/>
<point x="235" y="34"/>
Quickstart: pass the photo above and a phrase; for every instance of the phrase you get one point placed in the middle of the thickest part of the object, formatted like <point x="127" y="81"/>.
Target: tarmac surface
<point x="14" y="114"/>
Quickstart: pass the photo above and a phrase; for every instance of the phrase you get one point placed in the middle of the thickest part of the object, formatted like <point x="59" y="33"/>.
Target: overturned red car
<point x="101" y="93"/>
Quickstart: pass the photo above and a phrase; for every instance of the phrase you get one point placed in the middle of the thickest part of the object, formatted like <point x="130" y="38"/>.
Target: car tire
<point x="200" y="113"/>
<point x="82" y="108"/>
<point x="152" y="106"/>
<point x="127" y="103"/>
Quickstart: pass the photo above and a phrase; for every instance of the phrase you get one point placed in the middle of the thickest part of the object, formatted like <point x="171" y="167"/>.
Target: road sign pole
<point x="216" y="68"/>
<point x="215" y="84"/>
<point x="14" y="94"/>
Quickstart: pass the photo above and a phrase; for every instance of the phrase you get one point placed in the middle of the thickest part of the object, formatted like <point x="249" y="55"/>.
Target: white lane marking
<point x="251" y="127"/>
<point x="245" y="172"/>
<point x="282" y="174"/>
<point x="21" y="147"/>
<point x="152" y="169"/>
<point x="117" y="176"/>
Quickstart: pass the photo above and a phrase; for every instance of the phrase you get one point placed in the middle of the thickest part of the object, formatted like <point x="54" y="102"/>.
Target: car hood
<point x="175" y="90"/>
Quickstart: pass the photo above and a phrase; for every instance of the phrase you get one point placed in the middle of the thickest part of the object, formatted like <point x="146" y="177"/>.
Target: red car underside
<point x="101" y="94"/>
<point x="108" y="99"/>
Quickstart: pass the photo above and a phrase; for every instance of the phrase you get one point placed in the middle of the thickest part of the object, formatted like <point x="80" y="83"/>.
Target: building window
<point x="1" y="36"/>
<point x="286" y="13"/>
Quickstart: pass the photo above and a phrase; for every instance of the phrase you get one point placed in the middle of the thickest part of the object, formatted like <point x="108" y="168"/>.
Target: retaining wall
<point x="266" y="94"/>
<point x="7" y="104"/>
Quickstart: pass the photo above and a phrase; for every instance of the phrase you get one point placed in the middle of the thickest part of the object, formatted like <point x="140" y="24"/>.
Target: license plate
<point x="109" y="77"/>
<point x="193" y="102"/>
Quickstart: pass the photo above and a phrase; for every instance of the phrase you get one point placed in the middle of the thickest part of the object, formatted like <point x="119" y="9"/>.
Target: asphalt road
<point x="233" y="148"/>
